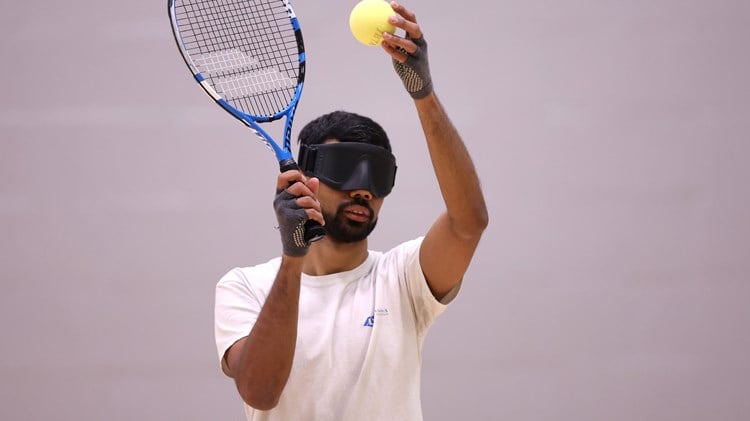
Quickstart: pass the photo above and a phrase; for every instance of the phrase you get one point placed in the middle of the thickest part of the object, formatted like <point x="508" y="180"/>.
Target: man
<point x="331" y="330"/>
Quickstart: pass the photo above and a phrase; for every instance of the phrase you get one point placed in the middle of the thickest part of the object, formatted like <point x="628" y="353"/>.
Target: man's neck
<point x="326" y="257"/>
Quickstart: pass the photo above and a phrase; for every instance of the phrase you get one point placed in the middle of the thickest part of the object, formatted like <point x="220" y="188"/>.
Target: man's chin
<point x="348" y="231"/>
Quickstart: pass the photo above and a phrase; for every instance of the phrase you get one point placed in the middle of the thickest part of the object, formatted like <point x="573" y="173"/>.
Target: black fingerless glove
<point x="415" y="71"/>
<point x="291" y="218"/>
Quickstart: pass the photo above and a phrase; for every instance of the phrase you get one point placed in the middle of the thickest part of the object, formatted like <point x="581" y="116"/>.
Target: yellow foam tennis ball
<point x="369" y="19"/>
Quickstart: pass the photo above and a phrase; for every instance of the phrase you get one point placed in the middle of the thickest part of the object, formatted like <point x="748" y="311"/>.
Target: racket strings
<point x="246" y="50"/>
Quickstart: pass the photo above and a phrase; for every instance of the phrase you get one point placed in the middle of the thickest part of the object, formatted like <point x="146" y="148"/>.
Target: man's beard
<point x="343" y="230"/>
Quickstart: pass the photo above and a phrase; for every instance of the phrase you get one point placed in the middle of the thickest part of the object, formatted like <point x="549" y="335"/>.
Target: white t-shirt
<point x="359" y="337"/>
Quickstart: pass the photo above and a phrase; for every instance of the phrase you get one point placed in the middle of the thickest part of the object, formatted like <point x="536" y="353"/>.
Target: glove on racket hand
<point x="291" y="218"/>
<point x="415" y="71"/>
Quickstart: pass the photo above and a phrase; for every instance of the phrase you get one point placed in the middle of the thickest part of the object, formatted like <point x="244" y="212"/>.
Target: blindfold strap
<point x="306" y="160"/>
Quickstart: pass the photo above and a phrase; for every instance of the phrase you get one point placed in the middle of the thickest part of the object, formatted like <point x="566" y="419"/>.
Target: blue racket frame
<point x="283" y="152"/>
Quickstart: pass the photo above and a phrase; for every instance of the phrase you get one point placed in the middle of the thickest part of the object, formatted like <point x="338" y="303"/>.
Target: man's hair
<point x="344" y="127"/>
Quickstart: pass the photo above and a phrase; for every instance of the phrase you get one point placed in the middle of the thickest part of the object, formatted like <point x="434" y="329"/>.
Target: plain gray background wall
<point x="611" y="138"/>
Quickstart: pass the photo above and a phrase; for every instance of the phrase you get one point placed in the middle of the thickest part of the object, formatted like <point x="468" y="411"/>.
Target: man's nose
<point x="362" y="193"/>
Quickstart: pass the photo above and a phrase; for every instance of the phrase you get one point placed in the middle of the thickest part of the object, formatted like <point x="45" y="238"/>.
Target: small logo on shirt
<point x="370" y="321"/>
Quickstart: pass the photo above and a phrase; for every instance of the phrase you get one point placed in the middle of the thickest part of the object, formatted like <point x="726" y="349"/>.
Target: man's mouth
<point x="357" y="213"/>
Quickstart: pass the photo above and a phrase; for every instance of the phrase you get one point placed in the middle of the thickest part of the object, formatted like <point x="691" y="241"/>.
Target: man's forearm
<point x="268" y="352"/>
<point x="456" y="175"/>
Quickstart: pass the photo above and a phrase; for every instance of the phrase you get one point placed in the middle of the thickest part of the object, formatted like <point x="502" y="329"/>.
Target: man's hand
<point x="295" y="203"/>
<point x="409" y="54"/>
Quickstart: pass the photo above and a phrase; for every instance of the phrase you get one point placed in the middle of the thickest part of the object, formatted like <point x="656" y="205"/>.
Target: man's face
<point x="350" y="215"/>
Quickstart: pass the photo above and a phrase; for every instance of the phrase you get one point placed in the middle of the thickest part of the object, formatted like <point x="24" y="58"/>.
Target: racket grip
<point x="313" y="230"/>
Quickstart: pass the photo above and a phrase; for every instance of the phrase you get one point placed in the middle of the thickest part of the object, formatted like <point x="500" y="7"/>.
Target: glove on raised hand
<point x="415" y="71"/>
<point x="291" y="218"/>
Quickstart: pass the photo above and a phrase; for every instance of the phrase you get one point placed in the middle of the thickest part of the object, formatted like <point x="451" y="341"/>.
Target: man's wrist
<point x="292" y="261"/>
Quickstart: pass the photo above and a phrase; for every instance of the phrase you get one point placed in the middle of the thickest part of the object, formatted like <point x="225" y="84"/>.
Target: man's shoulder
<point x="399" y="254"/>
<point x="256" y="272"/>
<point x="405" y="248"/>
<point x="271" y="265"/>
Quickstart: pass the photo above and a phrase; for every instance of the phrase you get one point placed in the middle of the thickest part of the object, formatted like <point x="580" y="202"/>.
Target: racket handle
<point x="313" y="230"/>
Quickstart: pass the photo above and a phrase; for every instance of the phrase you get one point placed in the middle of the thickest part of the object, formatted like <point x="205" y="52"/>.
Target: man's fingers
<point x="398" y="47"/>
<point x="299" y="189"/>
<point x="406" y="20"/>
<point x="304" y="195"/>
<point x="288" y="178"/>
<point x="313" y="183"/>
<point x="315" y="215"/>
<point x="403" y="11"/>
<point x="303" y="190"/>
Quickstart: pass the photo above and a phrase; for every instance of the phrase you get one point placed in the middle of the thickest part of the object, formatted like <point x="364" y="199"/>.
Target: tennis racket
<point x="248" y="56"/>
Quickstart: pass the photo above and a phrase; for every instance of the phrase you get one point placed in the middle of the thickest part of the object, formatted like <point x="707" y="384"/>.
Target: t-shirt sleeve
<point x="426" y="306"/>
<point x="236" y="309"/>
